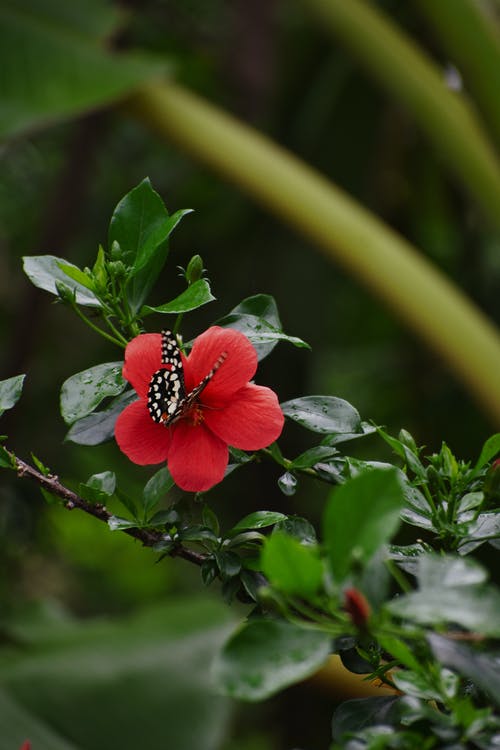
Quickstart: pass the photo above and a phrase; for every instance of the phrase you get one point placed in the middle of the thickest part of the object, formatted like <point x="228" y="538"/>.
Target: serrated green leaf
<point x="194" y="296"/>
<point x="99" y="426"/>
<point x="360" y="516"/>
<point x="258" y="520"/>
<point x="323" y="414"/>
<point x="290" y="566"/>
<point x="44" y="270"/>
<point x="10" y="392"/>
<point x="83" y="392"/>
<point x="266" y="656"/>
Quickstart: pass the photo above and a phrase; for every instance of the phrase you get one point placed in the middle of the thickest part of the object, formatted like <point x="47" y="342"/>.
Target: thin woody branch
<point x="71" y="500"/>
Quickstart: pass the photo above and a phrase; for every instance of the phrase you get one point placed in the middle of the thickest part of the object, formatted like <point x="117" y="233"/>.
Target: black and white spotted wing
<point x="167" y="398"/>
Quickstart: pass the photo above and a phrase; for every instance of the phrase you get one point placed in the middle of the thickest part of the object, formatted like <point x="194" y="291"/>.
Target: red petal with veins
<point x="197" y="459"/>
<point x="142" y="359"/>
<point x="251" y="420"/>
<point x="141" y="439"/>
<point x="236" y="370"/>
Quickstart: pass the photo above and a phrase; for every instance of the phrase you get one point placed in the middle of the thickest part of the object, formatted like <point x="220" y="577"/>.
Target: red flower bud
<point x="26" y="745"/>
<point x="357" y="607"/>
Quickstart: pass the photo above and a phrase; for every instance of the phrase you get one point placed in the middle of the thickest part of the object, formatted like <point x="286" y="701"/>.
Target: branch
<point x="71" y="500"/>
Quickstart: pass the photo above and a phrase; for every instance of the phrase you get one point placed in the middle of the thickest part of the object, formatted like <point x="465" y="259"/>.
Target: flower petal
<point x="236" y="370"/>
<point x="251" y="420"/>
<point x="141" y="439"/>
<point x="197" y="459"/>
<point x="142" y="359"/>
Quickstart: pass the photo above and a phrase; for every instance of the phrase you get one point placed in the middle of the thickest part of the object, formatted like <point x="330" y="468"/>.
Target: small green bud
<point x="65" y="293"/>
<point x="99" y="271"/>
<point x="116" y="251"/>
<point x="194" y="270"/>
<point x="117" y="269"/>
<point x="407" y="439"/>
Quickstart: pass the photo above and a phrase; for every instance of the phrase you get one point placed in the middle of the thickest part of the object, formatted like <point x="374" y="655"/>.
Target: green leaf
<point x="355" y="715"/>
<point x="323" y="414"/>
<point x="299" y="528"/>
<point x="266" y="656"/>
<point x="313" y="456"/>
<point x="290" y="566"/>
<point x="476" y="608"/>
<point x="141" y="226"/>
<point x="194" y="296"/>
<point x="99" y="487"/>
<point x="258" y="520"/>
<point x="122" y="684"/>
<point x="402" y="450"/>
<point x="262" y="306"/>
<point x="156" y="489"/>
<point x="6" y="460"/>
<point x="10" y="392"/>
<point x="489" y="450"/>
<point x="486" y="527"/>
<point x="58" y="63"/>
<point x="434" y="571"/>
<point x="399" y="650"/>
<point x="98" y="427"/>
<point x="259" y="332"/>
<point x="81" y="393"/>
<point x="344" y="437"/>
<point x="116" y="523"/>
<point x="44" y="270"/>
<point x="482" y="669"/>
<point x="360" y="516"/>
<point x="76" y="274"/>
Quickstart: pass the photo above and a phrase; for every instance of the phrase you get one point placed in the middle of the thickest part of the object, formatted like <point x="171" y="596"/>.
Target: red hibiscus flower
<point x="229" y="410"/>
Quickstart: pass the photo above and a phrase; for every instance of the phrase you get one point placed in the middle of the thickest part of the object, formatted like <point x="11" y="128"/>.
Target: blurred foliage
<point x="274" y="66"/>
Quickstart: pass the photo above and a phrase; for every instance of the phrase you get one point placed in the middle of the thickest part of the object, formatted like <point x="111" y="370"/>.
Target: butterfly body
<point x="167" y="397"/>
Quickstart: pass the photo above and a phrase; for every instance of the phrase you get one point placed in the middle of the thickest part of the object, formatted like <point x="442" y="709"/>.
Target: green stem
<point x="398" y="576"/>
<point x="402" y="67"/>
<point x="115" y="330"/>
<point x="98" y="330"/>
<point x="392" y="268"/>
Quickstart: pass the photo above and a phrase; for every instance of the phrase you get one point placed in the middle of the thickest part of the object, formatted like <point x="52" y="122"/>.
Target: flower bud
<point x="194" y="270"/>
<point x="407" y="439"/>
<point x="65" y="293"/>
<point x="116" y="251"/>
<point x="357" y="607"/>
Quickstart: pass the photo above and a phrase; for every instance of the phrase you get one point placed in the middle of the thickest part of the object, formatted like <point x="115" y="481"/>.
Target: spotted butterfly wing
<point x="167" y="398"/>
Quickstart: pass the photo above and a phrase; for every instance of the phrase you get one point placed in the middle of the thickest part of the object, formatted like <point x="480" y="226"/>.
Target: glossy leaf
<point x="258" y="520"/>
<point x="262" y="306"/>
<point x="344" y="437"/>
<point x="298" y="527"/>
<point x="10" y="392"/>
<point x="156" y="489"/>
<point x="486" y="527"/>
<point x="434" y="571"/>
<point x="313" y="456"/>
<point x="259" y="332"/>
<point x="489" y="450"/>
<point x="194" y="296"/>
<point x="44" y="270"/>
<point x="83" y="392"/>
<point x="360" y="516"/>
<point x="141" y="226"/>
<point x="476" y="608"/>
<point x="482" y="669"/>
<point x="266" y="656"/>
<point x="99" y="487"/>
<point x="354" y="715"/>
<point x="99" y="426"/>
<point x="324" y="414"/>
<point x="290" y="566"/>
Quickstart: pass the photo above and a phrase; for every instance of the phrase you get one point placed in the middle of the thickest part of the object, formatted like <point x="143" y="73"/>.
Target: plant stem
<point x="98" y="330"/>
<point x="393" y="269"/>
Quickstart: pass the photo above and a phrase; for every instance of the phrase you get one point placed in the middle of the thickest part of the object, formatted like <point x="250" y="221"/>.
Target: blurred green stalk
<point x="409" y="74"/>
<point x="471" y="37"/>
<point x="419" y="294"/>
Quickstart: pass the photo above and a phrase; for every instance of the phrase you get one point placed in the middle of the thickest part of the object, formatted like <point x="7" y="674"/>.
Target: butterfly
<point x="167" y="397"/>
